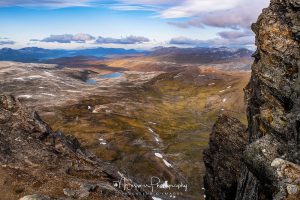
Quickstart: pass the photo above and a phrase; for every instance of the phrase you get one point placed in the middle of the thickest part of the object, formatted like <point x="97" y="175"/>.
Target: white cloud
<point x="228" y="14"/>
<point x="82" y="37"/>
<point x="190" y="8"/>
<point x="67" y="38"/>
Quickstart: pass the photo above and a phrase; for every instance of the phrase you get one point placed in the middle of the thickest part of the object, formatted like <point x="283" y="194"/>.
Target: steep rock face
<point x="273" y="97"/>
<point x="271" y="160"/>
<point x="223" y="158"/>
<point x="273" y="92"/>
<point x="38" y="162"/>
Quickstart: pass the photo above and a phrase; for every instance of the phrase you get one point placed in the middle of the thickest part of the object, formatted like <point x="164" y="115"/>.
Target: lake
<point x="92" y="81"/>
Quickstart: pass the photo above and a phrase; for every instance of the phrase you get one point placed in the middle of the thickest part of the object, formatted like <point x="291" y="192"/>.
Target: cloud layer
<point x="234" y="16"/>
<point x="126" y="40"/>
<point x="84" y="38"/>
<point x="237" y="15"/>
<point x="218" y="41"/>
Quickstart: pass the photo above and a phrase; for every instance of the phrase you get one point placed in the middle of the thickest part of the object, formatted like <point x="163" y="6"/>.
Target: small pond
<point x="92" y="81"/>
<point x="112" y="75"/>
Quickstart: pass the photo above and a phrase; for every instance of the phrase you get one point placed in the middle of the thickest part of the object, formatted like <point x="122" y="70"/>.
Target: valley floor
<point x="149" y="123"/>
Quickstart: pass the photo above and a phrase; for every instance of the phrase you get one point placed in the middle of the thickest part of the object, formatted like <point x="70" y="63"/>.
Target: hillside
<point x="43" y="164"/>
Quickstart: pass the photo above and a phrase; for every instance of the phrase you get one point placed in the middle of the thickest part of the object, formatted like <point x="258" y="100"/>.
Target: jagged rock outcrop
<point x="271" y="161"/>
<point x="222" y="160"/>
<point x="42" y="164"/>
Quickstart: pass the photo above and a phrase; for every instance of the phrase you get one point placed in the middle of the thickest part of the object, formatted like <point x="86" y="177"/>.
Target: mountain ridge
<point x="35" y="54"/>
<point x="197" y="55"/>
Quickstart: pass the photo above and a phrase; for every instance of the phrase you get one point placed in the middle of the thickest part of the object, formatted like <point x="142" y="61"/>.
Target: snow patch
<point x="167" y="163"/>
<point x="102" y="141"/>
<point x="150" y="130"/>
<point x="156" y="198"/>
<point x="158" y="155"/>
<point x="26" y="96"/>
<point x="48" y="94"/>
<point x="35" y="77"/>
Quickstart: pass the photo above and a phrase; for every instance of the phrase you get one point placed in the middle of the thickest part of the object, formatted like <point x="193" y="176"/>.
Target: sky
<point x="139" y="24"/>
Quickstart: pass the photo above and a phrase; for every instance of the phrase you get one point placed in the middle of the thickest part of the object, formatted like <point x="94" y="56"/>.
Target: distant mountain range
<point x="34" y="54"/>
<point x="200" y="55"/>
<point x="170" y="54"/>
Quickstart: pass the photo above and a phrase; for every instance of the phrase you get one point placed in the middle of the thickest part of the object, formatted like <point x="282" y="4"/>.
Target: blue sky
<point x="141" y="24"/>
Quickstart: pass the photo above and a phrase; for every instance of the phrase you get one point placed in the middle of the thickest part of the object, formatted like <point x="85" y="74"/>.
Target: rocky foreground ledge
<point x="268" y="167"/>
<point x="223" y="159"/>
<point x="47" y="165"/>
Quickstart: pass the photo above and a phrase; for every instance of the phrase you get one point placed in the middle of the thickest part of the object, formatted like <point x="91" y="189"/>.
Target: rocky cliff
<point x="223" y="158"/>
<point x="270" y="164"/>
<point x="48" y="165"/>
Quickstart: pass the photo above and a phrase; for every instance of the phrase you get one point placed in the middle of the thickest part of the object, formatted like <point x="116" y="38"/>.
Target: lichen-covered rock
<point x="35" y="160"/>
<point x="223" y="158"/>
<point x="273" y="92"/>
<point x="259" y="155"/>
<point x="273" y="97"/>
<point x="271" y="160"/>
